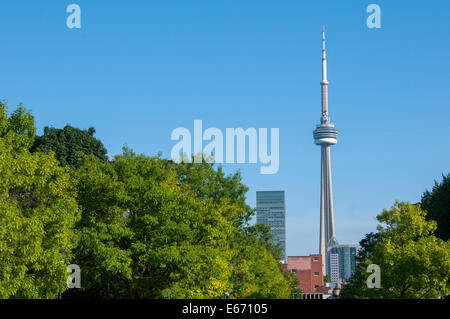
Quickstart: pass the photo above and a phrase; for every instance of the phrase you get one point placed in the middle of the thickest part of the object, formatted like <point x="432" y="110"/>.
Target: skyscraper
<point x="325" y="135"/>
<point x="271" y="210"/>
<point x="341" y="261"/>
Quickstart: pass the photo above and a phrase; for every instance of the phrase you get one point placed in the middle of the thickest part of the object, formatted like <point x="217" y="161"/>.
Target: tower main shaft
<point x="325" y="135"/>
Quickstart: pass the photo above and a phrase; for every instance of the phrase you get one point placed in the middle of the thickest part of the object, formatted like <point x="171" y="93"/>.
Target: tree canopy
<point x="154" y="229"/>
<point x="68" y="142"/>
<point x="437" y="204"/>
<point x="38" y="212"/>
<point x="138" y="226"/>
<point x="413" y="262"/>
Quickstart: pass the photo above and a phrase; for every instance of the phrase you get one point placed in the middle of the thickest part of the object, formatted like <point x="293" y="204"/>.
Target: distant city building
<point x="271" y="211"/>
<point x="341" y="262"/>
<point x="308" y="270"/>
<point x="334" y="267"/>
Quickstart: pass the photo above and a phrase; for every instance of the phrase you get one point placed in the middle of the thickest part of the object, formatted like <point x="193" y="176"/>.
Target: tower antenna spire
<point x="323" y="37"/>
<point x="324" y="82"/>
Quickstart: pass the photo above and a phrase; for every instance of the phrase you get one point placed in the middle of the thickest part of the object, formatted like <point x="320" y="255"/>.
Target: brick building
<point x="308" y="270"/>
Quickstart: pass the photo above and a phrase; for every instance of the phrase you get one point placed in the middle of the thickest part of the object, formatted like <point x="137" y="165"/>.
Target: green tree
<point x="66" y="143"/>
<point x="256" y="271"/>
<point x="213" y="185"/>
<point x="154" y="229"/>
<point x="357" y="287"/>
<point x="437" y="204"/>
<point x="38" y="211"/>
<point x="169" y="244"/>
<point x="296" y="291"/>
<point x="414" y="263"/>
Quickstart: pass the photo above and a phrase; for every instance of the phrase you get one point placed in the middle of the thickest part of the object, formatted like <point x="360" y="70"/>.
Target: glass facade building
<point x="271" y="211"/>
<point x="341" y="261"/>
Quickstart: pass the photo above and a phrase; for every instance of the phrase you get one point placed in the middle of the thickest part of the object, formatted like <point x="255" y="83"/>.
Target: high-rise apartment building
<point x="334" y="267"/>
<point x="271" y="210"/>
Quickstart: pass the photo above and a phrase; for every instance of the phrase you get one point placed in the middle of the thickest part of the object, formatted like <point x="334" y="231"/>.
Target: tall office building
<point x="325" y="135"/>
<point x="341" y="262"/>
<point x="271" y="210"/>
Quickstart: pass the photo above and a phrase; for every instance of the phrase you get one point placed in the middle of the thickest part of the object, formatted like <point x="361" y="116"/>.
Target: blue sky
<point x="137" y="70"/>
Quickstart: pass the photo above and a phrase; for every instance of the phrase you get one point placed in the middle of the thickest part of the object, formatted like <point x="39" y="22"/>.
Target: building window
<point x="316" y="273"/>
<point x="316" y="258"/>
<point x="294" y="271"/>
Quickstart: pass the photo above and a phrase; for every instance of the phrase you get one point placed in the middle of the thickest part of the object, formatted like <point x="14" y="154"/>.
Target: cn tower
<point x="325" y="135"/>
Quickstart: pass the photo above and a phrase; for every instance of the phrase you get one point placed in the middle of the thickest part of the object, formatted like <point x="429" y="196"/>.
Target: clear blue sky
<point x="136" y="70"/>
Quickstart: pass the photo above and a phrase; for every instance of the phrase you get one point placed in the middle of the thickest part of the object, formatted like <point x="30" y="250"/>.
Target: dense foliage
<point x="151" y="229"/>
<point x="437" y="204"/>
<point x="413" y="262"/>
<point x="138" y="226"/>
<point x="38" y="211"/>
<point x="68" y="142"/>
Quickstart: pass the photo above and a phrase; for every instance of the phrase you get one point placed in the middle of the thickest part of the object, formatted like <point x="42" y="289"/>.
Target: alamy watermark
<point x="214" y="151"/>
<point x="74" y="279"/>
<point x="74" y="19"/>
<point x="374" y="280"/>
<point x="374" y="19"/>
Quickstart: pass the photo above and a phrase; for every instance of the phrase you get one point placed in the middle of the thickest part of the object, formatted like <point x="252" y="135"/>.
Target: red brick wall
<point x="316" y="266"/>
<point x="305" y="267"/>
